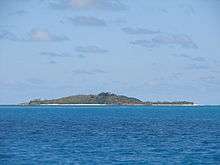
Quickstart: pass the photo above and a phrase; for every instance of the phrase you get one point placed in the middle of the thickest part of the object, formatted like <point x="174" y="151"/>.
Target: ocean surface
<point x="109" y="135"/>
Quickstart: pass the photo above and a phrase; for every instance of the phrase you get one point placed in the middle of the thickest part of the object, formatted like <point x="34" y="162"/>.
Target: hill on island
<point x="103" y="98"/>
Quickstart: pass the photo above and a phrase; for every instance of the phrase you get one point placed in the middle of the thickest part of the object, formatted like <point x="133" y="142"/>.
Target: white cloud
<point x="87" y="21"/>
<point x="88" y="72"/>
<point x="113" y="5"/>
<point x="38" y="35"/>
<point x="139" y="31"/>
<point x="44" y="35"/>
<point x="81" y="3"/>
<point x="90" y="49"/>
<point x="182" y="40"/>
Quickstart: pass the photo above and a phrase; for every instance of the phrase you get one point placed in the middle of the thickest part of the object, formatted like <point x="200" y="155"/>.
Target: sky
<point x="154" y="50"/>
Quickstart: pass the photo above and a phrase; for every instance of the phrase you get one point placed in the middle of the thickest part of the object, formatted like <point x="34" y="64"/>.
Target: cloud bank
<point x="45" y="35"/>
<point x="6" y="35"/>
<point x="87" y="21"/>
<point x="35" y="35"/>
<point x="90" y="49"/>
<point x="107" y="5"/>
<point x="139" y="31"/>
<point x="192" y="58"/>
<point x="54" y="54"/>
<point x="88" y="72"/>
<point x="182" y="40"/>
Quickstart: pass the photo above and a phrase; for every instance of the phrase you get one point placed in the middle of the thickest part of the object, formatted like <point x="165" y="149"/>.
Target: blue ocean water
<point x="109" y="135"/>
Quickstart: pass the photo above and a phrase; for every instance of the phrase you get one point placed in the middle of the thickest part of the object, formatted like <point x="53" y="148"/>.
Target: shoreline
<point x="153" y="105"/>
<point x="103" y="105"/>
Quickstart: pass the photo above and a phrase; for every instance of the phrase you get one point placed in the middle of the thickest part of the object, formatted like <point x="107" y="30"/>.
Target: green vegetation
<point x="103" y="98"/>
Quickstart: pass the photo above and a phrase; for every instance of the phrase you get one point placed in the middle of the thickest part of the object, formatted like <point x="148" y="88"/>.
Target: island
<point x="104" y="98"/>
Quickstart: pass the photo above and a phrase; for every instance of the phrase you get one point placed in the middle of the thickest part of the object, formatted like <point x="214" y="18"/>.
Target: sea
<point x="109" y="135"/>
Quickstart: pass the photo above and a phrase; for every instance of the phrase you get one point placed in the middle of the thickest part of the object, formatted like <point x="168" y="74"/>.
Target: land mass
<point x="103" y="98"/>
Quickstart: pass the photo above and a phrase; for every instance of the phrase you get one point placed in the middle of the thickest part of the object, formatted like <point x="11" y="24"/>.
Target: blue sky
<point x="153" y="50"/>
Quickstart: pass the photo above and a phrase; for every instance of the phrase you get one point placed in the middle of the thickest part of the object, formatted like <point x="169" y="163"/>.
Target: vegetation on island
<point x="103" y="98"/>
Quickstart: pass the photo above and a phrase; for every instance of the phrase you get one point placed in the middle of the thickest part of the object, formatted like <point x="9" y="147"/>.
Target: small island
<point x="104" y="98"/>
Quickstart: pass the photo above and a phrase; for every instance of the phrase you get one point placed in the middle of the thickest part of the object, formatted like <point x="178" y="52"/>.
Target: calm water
<point x="109" y="135"/>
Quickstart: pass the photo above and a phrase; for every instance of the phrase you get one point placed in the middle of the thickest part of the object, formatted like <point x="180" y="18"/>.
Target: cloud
<point x="18" y="12"/>
<point x="87" y="21"/>
<point x="182" y="40"/>
<point x="197" y="67"/>
<point x="71" y="4"/>
<point x="81" y="3"/>
<point x="90" y="49"/>
<point x="107" y="5"/>
<point x="162" y="10"/>
<point x="188" y="9"/>
<point x="6" y="35"/>
<point x="52" y="62"/>
<point x="192" y="58"/>
<point x="53" y="54"/>
<point x="45" y="35"/>
<point x="37" y="35"/>
<point x="139" y="31"/>
<point x="144" y="43"/>
<point x="198" y="59"/>
<point x="81" y="56"/>
<point x="88" y="72"/>
<point x="176" y="75"/>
